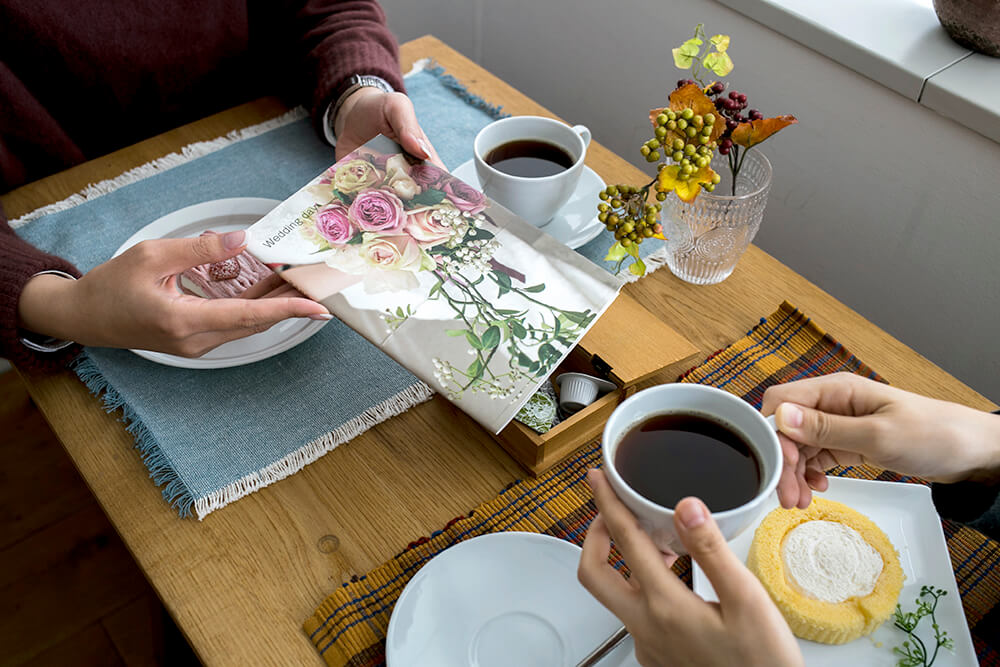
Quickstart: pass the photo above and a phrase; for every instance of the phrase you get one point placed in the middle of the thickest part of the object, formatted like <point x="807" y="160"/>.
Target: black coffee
<point x="672" y="456"/>
<point x="529" y="158"/>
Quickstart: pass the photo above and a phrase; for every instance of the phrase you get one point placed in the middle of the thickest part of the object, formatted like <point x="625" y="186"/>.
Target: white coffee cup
<point x="723" y="407"/>
<point x="536" y="199"/>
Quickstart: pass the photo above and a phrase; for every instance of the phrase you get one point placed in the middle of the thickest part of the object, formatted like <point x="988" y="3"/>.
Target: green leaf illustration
<point x="491" y="338"/>
<point x="535" y="289"/>
<point x="473" y="340"/>
<point x="475" y="369"/>
<point x="502" y="279"/>
<point x="426" y="198"/>
<point x="517" y="329"/>
<point x="577" y="317"/>
<point x="454" y="333"/>
<point x="357" y="239"/>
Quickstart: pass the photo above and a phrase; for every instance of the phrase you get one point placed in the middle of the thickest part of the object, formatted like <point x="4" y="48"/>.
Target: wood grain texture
<point x="240" y="583"/>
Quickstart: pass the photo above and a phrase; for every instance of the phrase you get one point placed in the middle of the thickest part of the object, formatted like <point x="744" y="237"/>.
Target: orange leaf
<point x="754" y="132"/>
<point x="692" y="96"/>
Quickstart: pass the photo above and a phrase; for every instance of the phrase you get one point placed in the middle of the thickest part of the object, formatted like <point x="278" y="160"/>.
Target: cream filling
<point x="829" y="561"/>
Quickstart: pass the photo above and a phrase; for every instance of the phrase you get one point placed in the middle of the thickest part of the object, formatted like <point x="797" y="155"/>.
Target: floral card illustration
<point x="468" y="297"/>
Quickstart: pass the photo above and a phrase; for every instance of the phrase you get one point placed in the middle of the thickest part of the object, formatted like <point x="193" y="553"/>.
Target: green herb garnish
<point x="913" y="652"/>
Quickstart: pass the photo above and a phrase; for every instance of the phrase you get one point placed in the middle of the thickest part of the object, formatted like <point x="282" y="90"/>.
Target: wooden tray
<point x="627" y="345"/>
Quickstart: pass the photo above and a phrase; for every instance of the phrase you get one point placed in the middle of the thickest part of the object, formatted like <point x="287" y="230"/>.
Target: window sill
<point x="914" y="58"/>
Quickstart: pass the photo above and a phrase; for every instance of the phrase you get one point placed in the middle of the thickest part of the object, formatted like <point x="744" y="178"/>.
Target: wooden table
<point x="240" y="583"/>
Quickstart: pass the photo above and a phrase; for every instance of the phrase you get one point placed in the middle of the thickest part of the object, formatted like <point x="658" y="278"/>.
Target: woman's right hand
<point x="131" y="301"/>
<point x="844" y="419"/>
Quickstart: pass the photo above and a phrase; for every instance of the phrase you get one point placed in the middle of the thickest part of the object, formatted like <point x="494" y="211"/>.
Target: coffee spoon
<point x="606" y="647"/>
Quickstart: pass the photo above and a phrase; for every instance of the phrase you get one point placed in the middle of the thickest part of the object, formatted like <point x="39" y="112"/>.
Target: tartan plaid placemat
<point x="348" y="628"/>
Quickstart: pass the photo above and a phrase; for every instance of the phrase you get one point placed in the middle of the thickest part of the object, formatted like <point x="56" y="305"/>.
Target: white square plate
<point x="906" y="514"/>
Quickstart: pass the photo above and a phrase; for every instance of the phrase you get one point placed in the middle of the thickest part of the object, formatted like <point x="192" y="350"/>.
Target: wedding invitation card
<point x="474" y="301"/>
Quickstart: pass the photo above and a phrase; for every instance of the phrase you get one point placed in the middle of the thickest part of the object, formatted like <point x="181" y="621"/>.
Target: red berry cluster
<point x="730" y="107"/>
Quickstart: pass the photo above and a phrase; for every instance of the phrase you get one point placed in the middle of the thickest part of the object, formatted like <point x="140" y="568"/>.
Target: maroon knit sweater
<point x="81" y="79"/>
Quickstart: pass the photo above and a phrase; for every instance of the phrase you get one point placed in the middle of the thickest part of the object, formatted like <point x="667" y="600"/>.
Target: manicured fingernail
<point x="233" y="240"/>
<point x="691" y="513"/>
<point x="424" y="147"/>
<point x="790" y="415"/>
<point x="321" y="316"/>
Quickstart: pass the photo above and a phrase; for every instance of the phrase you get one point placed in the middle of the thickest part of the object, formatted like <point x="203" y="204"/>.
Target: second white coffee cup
<point x="758" y="432"/>
<point x="536" y="199"/>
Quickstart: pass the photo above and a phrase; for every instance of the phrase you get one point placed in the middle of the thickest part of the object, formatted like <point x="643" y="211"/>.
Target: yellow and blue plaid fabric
<point x="348" y="628"/>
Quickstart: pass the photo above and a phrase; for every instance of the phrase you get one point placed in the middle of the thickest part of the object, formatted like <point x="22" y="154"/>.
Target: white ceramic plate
<point x="906" y="514"/>
<point x="576" y="223"/>
<point x="224" y="215"/>
<point x="500" y="600"/>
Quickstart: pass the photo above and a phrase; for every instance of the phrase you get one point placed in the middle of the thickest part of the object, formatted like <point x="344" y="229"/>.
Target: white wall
<point x="888" y="206"/>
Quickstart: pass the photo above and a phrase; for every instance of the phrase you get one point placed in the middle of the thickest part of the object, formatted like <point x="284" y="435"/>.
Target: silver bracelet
<point x="48" y="343"/>
<point x="356" y="82"/>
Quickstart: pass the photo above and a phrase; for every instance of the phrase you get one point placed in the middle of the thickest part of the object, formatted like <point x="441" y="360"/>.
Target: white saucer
<point x="576" y="223"/>
<point x="499" y="600"/>
<point x="224" y="215"/>
<point x="905" y="512"/>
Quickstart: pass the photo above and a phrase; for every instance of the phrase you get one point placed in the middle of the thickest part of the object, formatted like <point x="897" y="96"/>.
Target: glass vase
<point x="706" y="238"/>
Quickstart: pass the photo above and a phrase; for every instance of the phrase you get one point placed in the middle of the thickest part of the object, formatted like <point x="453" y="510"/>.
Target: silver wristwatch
<point x="355" y="82"/>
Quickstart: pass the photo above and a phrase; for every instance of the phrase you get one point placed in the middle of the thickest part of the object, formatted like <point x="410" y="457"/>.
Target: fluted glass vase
<point x="706" y="238"/>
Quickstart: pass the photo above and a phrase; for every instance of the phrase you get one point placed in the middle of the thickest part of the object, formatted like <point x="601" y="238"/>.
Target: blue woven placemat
<point x="210" y="437"/>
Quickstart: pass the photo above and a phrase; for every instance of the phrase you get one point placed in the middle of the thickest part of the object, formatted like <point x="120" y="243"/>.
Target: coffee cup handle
<point x="772" y="422"/>
<point x="583" y="132"/>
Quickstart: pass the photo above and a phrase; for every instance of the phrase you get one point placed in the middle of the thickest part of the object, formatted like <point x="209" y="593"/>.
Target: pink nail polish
<point x="321" y="316"/>
<point x="233" y="240"/>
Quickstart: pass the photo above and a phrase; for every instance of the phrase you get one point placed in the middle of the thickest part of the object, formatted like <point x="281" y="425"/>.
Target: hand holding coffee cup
<point x="530" y="164"/>
<point x="678" y="440"/>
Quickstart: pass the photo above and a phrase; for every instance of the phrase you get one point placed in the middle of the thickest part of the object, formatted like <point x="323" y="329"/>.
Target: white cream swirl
<point x="829" y="561"/>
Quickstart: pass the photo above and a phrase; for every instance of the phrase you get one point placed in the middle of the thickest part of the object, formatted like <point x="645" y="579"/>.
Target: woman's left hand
<point x="368" y="112"/>
<point x="670" y="624"/>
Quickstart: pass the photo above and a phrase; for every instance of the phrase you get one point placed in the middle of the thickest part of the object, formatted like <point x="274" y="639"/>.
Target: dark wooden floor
<point x="70" y="593"/>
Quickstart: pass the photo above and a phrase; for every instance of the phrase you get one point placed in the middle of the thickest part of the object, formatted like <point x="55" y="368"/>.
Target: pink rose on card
<point x="377" y="211"/>
<point x="465" y="197"/>
<point x="428" y="226"/>
<point x="334" y="224"/>
<point x="428" y="176"/>
<point x="356" y="175"/>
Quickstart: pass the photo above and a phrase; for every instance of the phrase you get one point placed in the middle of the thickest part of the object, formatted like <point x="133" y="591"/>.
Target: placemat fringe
<point x="655" y="261"/>
<point x="165" y="163"/>
<point x="174" y="490"/>
<point x="454" y="84"/>
<point x="303" y="456"/>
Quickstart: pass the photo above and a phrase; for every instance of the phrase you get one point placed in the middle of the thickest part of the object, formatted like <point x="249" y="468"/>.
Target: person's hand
<point x="844" y="419"/>
<point x="369" y="112"/>
<point x="132" y="301"/>
<point x="670" y="624"/>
